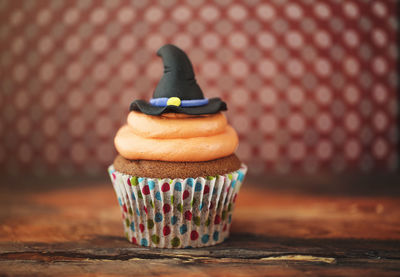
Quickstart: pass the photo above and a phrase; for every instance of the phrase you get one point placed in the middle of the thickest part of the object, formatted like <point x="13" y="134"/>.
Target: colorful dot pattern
<point x="178" y="213"/>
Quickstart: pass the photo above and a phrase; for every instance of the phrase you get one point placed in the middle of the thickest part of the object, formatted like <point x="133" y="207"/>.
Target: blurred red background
<point x="310" y="85"/>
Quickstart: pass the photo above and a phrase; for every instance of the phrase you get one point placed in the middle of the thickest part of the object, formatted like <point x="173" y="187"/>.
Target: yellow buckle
<point x="174" y="101"/>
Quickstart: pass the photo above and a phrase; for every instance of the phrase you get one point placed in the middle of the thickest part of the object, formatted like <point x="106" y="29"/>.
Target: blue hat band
<point x="162" y="102"/>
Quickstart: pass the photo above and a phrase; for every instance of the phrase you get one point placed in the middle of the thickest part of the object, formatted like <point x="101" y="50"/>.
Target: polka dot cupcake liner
<point x="177" y="213"/>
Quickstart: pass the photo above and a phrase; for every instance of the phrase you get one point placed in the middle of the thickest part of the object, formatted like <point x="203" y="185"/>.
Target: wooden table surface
<point x="76" y="229"/>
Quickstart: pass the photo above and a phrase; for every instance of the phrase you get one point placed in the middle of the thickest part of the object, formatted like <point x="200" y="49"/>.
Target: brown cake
<point x="172" y="170"/>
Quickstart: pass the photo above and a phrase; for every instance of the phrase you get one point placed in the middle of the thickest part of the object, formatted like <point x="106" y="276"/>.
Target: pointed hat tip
<point x="168" y="47"/>
<point x="178" y="79"/>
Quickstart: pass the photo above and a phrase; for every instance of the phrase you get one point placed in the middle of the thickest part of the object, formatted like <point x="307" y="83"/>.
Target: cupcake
<point x="176" y="175"/>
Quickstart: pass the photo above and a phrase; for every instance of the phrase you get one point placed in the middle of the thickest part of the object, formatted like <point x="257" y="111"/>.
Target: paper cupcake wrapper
<point x="177" y="213"/>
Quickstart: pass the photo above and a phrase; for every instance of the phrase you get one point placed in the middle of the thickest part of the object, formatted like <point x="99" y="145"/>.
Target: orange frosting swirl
<point x="176" y="138"/>
<point x="195" y="149"/>
<point x="149" y="126"/>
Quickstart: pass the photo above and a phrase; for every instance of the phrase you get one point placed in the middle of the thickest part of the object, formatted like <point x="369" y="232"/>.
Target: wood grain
<point x="76" y="230"/>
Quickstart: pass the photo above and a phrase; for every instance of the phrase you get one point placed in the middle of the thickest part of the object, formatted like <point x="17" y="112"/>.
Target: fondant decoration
<point x="176" y="101"/>
<point x="178" y="91"/>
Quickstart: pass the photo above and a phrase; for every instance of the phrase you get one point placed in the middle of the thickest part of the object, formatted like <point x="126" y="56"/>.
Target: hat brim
<point x="214" y="105"/>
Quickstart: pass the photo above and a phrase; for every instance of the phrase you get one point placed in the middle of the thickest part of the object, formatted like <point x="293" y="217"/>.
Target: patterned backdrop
<point x="310" y="85"/>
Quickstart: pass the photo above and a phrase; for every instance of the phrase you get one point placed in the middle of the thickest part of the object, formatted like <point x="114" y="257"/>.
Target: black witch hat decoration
<point x="178" y="91"/>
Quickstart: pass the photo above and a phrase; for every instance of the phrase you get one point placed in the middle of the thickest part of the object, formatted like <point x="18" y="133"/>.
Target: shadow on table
<point x="347" y="184"/>
<point x="237" y="246"/>
<point x="350" y="184"/>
